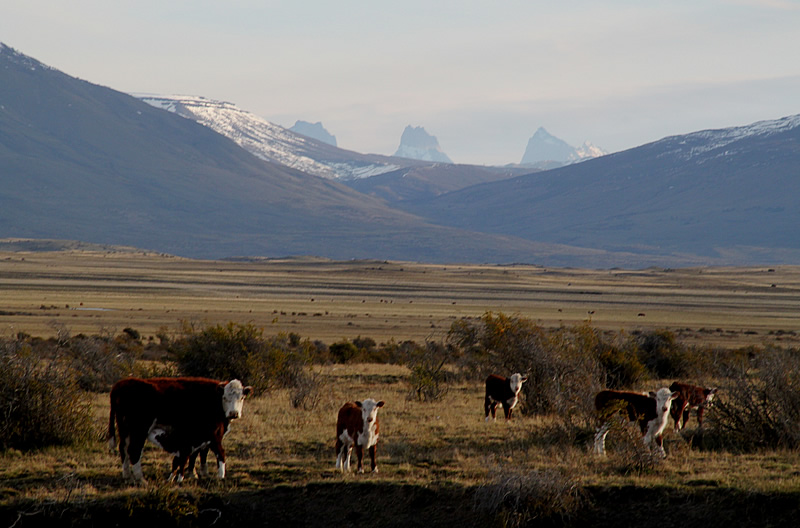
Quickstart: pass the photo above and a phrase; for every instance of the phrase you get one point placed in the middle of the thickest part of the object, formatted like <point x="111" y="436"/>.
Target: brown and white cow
<point x="357" y="425"/>
<point x="650" y="411"/>
<point x="690" y="397"/>
<point x="180" y="415"/>
<point x="504" y="391"/>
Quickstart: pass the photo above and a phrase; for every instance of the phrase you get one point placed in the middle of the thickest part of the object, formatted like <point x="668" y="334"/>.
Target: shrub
<point x="428" y="376"/>
<point x="242" y="352"/>
<point x="562" y="372"/>
<point x="758" y="405"/>
<point x="519" y="498"/>
<point x="343" y="351"/>
<point x="98" y="362"/>
<point x="41" y="404"/>
<point x="219" y="352"/>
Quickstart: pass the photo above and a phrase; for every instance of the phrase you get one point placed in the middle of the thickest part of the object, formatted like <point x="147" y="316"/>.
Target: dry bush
<point x="627" y="451"/>
<point x="758" y="405"/>
<point x="518" y="498"/>
<point x="428" y="376"/>
<point x="41" y="403"/>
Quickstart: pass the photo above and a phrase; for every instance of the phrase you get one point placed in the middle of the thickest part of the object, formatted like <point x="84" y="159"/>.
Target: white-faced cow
<point x="181" y="415"/>
<point x="503" y="391"/>
<point x="357" y="425"/>
<point x="651" y="412"/>
<point x="690" y="397"/>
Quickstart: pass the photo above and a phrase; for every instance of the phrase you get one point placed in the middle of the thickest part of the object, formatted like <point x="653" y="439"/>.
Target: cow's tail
<point x="112" y="437"/>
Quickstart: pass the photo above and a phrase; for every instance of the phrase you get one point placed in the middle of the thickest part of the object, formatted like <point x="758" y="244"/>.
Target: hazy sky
<point x="480" y="75"/>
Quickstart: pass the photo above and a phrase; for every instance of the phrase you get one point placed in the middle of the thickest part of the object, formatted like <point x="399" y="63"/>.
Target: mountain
<point x="545" y="150"/>
<point x="724" y="196"/>
<point x="272" y="142"/>
<point x="84" y="162"/>
<point x="416" y="143"/>
<point x="314" y="130"/>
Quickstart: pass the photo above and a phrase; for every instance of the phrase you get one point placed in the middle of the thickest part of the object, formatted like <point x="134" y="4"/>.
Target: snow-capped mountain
<point x="272" y="142"/>
<point x="416" y="143"/>
<point x="314" y="130"/>
<point x="545" y="149"/>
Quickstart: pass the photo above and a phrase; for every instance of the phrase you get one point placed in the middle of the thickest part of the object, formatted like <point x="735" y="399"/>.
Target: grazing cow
<point x="357" y="424"/>
<point x="649" y="411"/>
<point x="690" y="397"/>
<point x="505" y="391"/>
<point x="180" y="415"/>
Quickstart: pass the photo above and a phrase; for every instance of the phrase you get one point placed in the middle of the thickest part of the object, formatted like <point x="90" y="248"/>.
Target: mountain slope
<point x="723" y="195"/>
<point x="274" y="143"/>
<point x="83" y="162"/>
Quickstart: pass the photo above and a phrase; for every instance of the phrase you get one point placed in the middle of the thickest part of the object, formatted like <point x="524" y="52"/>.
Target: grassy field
<point x="437" y="462"/>
<point x="440" y="463"/>
<point x="90" y="292"/>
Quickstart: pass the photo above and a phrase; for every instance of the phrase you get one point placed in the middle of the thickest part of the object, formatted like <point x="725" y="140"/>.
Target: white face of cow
<point x="710" y="396"/>
<point x="516" y="381"/>
<point x="664" y="399"/>
<point x="369" y="411"/>
<point x="233" y="398"/>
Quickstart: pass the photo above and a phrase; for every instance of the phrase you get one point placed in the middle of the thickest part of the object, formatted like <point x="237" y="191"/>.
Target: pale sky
<point x="480" y="75"/>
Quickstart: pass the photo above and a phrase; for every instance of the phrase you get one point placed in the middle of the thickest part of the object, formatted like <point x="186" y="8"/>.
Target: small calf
<point x="357" y="425"/>
<point x="690" y="397"/>
<point x="649" y="411"/>
<point x="504" y="391"/>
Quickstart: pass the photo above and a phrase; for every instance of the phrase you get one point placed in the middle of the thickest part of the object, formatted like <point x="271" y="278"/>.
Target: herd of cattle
<point x="187" y="417"/>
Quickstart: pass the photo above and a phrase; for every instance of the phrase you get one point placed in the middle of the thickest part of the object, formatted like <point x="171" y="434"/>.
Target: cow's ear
<point x="674" y="395"/>
<point x="223" y="384"/>
<point x="358" y="404"/>
<point x="379" y="404"/>
<point x="653" y="395"/>
<point x="714" y="390"/>
<point x="523" y="380"/>
<point x="247" y="390"/>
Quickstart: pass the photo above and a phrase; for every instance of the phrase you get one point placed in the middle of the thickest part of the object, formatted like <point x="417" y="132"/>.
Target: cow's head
<point x="369" y="410"/>
<point x="663" y="400"/>
<point x="233" y="394"/>
<point x="709" y="393"/>
<point x="516" y="381"/>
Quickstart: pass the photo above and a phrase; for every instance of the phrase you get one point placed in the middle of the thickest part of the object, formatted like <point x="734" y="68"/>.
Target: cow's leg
<point x="372" y="452"/>
<point x="685" y="415"/>
<point x="659" y="441"/>
<point x="507" y="411"/>
<point x="487" y="407"/>
<point x="178" y="467"/>
<point x="360" y="456"/>
<point x="202" y="470"/>
<point x="219" y="452"/>
<point x="135" y="447"/>
<point x="600" y="439"/>
<point x="344" y="446"/>
<point x="700" y="416"/>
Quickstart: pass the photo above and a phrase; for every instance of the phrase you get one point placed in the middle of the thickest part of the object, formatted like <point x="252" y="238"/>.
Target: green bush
<point x="41" y="404"/>
<point x="242" y="352"/>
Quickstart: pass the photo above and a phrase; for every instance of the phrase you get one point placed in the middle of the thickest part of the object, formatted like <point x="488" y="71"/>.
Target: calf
<point x="180" y="415"/>
<point x="649" y="411"/>
<point x="505" y="391"/>
<point x="357" y="424"/>
<point x="690" y="397"/>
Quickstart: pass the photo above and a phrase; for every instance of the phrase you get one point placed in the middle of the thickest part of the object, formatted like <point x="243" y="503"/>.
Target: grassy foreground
<point x="440" y="465"/>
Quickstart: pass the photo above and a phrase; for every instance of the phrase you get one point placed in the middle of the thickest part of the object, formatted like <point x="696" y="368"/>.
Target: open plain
<point x="106" y="291"/>
<point x="440" y="463"/>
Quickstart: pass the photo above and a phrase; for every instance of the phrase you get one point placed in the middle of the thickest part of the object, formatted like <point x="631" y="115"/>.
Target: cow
<point x="357" y="425"/>
<point x="505" y="391"/>
<point x="690" y="397"/>
<point x="650" y="411"/>
<point x="180" y="415"/>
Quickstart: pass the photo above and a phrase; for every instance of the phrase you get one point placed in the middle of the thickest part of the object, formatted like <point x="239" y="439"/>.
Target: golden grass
<point x="441" y="443"/>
